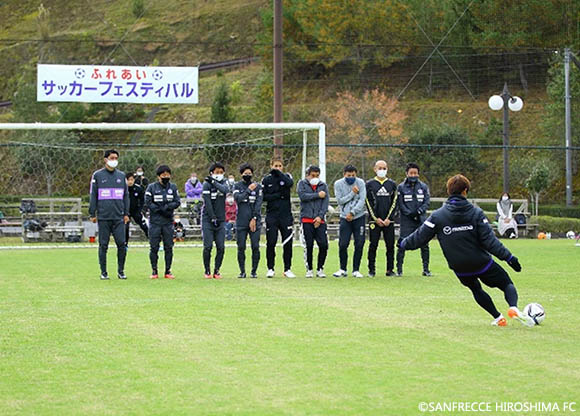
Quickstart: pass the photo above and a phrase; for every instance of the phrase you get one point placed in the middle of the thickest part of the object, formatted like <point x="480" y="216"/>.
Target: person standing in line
<point x="109" y="207"/>
<point x="136" y="204"/>
<point x="413" y="201"/>
<point x="213" y="216"/>
<point x="381" y="204"/>
<point x="313" y="194"/>
<point x="248" y="195"/>
<point x="161" y="199"/>
<point x="350" y="193"/>
<point x="276" y="187"/>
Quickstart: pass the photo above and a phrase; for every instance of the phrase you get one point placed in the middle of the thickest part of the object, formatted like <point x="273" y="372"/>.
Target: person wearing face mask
<point x="412" y="200"/>
<point x="231" y="213"/>
<point x="231" y="182"/>
<point x="351" y="194"/>
<point x="249" y="197"/>
<point x="313" y="194"/>
<point x="109" y="205"/>
<point x="136" y="203"/>
<point x="381" y="204"/>
<point x="193" y="187"/>
<point x="213" y="214"/>
<point x="140" y="178"/>
<point x="506" y="224"/>
<point x="161" y="199"/>
<point x="277" y="186"/>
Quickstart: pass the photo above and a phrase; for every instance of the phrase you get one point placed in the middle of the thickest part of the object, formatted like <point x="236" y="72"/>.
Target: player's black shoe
<point x="122" y="276"/>
<point x="104" y="276"/>
<point x="242" y="275"/>
<point x="254" y="275"/>
<point x="427" y="273"/>
<point x="390" y="273"/>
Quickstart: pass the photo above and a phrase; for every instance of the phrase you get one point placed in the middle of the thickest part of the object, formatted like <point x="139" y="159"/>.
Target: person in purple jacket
<point x="193" y="187"/>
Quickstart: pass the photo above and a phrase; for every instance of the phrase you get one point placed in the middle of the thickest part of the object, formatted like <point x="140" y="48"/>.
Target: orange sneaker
<point x="154" y="276"/>
<point x="500" y="321"/>
<point x="169" y="276"/>
<point x="525" y="320"/>
<point x="217" y="275"/>
<point x="208" y="276"/>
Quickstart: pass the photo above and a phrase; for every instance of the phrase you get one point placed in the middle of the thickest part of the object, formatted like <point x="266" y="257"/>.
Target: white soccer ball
<point x="571" y="235"/>
<point x="536" y="312"/>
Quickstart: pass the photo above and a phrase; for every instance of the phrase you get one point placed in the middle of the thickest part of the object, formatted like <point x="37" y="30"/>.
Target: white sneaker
<point x="525" y="320"/>
<point x="270" y="273"/>
<point x="309" y="273"/>
<point x="320" y="273"/>
<point x="289" y="274"/>
<point x="357" y="274"/>
<point x="340" y="273"/>
<point x="499" y="321"/>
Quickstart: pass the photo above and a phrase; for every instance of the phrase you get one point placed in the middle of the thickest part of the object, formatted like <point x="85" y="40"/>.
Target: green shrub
<point x="555" y="224"/>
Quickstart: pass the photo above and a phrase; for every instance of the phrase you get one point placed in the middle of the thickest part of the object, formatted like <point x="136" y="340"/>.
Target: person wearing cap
<point x="161" y="199"/>
<point x="109" y="206"/>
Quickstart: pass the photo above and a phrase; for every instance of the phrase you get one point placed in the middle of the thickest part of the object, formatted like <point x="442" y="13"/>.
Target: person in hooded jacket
<point x="467" y="241"/>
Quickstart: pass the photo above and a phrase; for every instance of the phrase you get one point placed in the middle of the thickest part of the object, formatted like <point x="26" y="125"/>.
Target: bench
<point x="62" y="218"/>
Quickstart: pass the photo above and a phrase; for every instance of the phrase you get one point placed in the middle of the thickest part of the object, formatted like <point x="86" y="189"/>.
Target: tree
<point x="372" y="118"/>
<point x="221" y="112"/>
<point x="438" y="163"/>
<point x="537" y="182"/>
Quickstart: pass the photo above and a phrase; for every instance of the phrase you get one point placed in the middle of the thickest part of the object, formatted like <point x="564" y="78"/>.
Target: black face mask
<point x="247" y="178"/>
<point x="413" y="179"/>
<point x="165" y="181"/>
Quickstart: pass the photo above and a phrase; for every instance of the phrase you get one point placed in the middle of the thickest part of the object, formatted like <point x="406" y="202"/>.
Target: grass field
<point x="72" y="344"/>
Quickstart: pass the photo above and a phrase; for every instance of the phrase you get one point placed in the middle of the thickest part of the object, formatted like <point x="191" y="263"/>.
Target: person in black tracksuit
<point x="109" y="205"/>
<point x="136" y="203"/>
<point x="213" y="216"/>
<point x="467" y="240"/>
<point x="276" y="187"/>
<point x="381" y="204"/>
<point x="412" y="201"/>
<point x="314" y="198"/>
<point x="248" y="195"/>
<point x="161" y="199"/>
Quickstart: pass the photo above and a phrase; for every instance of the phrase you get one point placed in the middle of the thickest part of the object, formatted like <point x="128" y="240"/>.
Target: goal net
<point x="58" y="159"/>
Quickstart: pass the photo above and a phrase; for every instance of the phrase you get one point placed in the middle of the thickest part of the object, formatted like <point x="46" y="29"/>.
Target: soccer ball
<point x="536" y="312"/>
<point x="571" y="235"/>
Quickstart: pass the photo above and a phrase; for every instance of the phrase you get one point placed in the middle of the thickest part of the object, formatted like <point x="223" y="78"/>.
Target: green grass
<point x="72" y="344"/>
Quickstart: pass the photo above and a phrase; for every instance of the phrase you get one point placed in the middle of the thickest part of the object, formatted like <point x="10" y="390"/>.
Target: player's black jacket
<point x="464" y="234"/>
<point x="214" y="200"/>
<point x="161" y="200"/>
<point x="249" y="203"/>
<point x="136" y="198"/>
<point x="276" y="187"/>
<point x="381" y="199"/>
<point x="413" y="201"/>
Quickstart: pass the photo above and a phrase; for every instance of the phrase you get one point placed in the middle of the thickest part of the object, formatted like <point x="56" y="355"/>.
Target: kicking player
<point x="136" y="204"/>
<point x="381" y="204"/>
<point x="276" y="187"/>
<point x="313" y="194"/>
<point x="350" y="194"/>
<point x="213" y="216"/>
<point x="109" y="204"/>
<point x="467" y="240"/>
<point x="249" y="197"/>
<point x="161" y="199"/>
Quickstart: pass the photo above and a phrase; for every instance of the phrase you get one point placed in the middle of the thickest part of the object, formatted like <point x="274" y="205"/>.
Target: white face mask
<point x="218" y="176"/>
<point x="504" y="198"/>
<point x="231" y="180"/>
<point x="112" y="163"/>
<point x="139" y="173"/>
<point x="314" y="181"/>
<point x="382" y="173"/>
<point x="230" y="200"/>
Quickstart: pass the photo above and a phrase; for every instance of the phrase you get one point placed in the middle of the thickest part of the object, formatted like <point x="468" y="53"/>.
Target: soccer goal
<point x="56" y="159"/>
